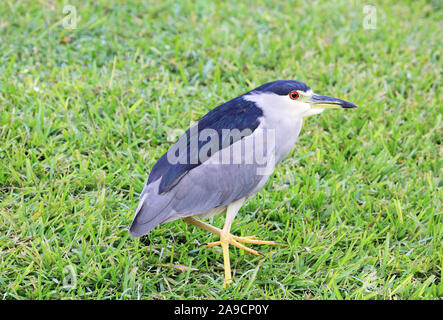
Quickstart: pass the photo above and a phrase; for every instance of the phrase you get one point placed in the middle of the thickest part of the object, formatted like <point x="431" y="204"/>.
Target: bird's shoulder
<point x="238" y="113"/>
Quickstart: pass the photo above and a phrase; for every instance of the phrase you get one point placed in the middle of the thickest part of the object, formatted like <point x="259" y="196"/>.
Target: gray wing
<point x="210" y="185"/>
<point x="205" y="187"/>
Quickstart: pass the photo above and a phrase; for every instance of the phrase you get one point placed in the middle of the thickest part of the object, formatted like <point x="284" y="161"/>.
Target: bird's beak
<point x="318" y="101"/>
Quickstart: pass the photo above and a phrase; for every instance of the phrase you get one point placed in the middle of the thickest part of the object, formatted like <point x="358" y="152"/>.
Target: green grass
<point x="357" y="204"/>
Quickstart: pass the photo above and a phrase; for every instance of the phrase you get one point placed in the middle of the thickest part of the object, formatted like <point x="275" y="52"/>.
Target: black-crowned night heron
<point x="225" y="158"/>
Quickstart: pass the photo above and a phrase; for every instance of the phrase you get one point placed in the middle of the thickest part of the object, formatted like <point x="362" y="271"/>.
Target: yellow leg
<point x="234" y="240"/>
<point x="202" y="225"/>
<point x="224" y="242"/>
<point x="227" y="238"/>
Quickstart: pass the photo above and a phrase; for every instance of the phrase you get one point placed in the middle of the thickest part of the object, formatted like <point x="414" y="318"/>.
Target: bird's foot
<point x="225" y="240"/>
<point x="237" y="241"/>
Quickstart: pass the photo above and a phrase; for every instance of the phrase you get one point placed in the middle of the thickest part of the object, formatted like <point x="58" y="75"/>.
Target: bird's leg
<point x="227" y="238"/>
<point x="202" y="225"/>
<point x="225" y="235"/>
<point x="235" y="241"/>
<point x="205" y="226"/>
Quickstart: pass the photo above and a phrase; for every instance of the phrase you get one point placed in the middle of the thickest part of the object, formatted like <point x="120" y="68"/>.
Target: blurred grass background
<point x="85" y="113"/>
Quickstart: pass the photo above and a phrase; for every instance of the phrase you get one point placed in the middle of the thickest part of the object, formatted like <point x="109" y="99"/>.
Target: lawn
<point x="86" y="112"/>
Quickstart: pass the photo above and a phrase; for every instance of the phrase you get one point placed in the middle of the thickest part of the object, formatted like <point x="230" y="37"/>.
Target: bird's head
<point x="290" y="98"/>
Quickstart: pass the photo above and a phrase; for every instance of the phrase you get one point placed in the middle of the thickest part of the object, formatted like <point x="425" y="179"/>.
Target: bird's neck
<point x="286" y="132"/>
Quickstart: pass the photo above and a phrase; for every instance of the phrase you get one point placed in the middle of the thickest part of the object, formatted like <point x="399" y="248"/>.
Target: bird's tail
<point x="146" y="218"/>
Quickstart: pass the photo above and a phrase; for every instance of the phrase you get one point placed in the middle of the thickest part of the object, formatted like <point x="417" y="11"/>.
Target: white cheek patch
<point x="274" y="105"/>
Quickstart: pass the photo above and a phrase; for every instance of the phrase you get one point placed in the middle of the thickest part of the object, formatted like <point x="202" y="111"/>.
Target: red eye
<point x="293" y="95"/>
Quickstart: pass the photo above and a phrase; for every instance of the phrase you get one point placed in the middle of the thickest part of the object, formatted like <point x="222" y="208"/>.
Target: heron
<point x="225" y="158"/>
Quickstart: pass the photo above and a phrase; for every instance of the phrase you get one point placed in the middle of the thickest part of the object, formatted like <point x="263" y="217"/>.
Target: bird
<point x="225" y="158"/>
